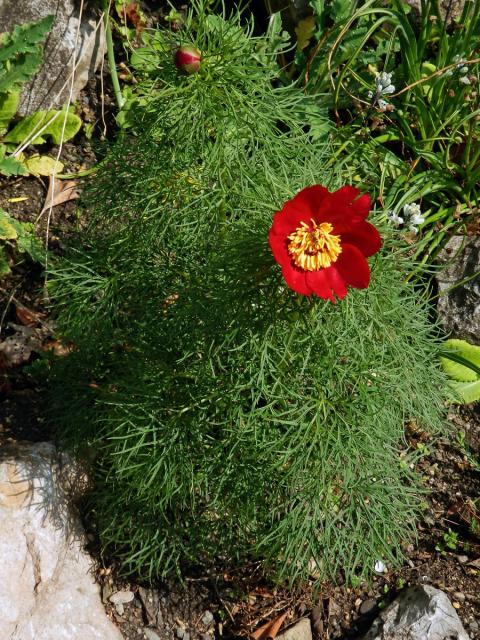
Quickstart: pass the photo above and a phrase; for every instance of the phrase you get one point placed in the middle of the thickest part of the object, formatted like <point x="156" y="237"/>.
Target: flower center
<point x="314" y="247"/>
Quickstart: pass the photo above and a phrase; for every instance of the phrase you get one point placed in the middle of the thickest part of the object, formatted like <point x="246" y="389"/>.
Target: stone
<point x="419" y="613"/>
<point x="150" y="634"/>
<point x="47" y="589"/>
<point x="207" y="618"/>
<point x="301" y="630"/>
<point x="121" y="597"/>
<point x="62" y="49"/>
<point x="367" y="606"/>
<point x="459" y="307"/>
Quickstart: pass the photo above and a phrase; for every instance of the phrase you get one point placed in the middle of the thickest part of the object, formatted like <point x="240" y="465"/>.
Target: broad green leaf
<point x="43" y="165"/>
<point x="467" y="391"/>
<point x="10" y="166"/>
<point x="4" y="266"/>
<point x="340" y="9"/>
<point x="8" y="108"/>
<point x="30" y="245"/>
<point x="53" y="123"/>
<point x="21" y="53"/>
<point x="7" y="230"/>
<point x="465" y="350"/>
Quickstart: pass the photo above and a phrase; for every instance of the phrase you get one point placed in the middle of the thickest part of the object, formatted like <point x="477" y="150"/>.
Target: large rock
<point x="51" y="85"/>
<point x="459" y="304"/>
<point x="302" y="630"/>
<point x="419" y="613"/>
<point x="47" y="591"/>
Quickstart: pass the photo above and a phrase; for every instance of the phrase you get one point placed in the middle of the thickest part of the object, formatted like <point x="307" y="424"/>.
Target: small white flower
<point x="380" y="567"/>
<point x="410" y="210"/>
<point x="464" y="70"/>
<point x="464" y="80"/>
<point x="383" y="84"/>
<point x="417" y="219"/>
<point x="382" y="104"/>
<point x="394" y="218"/>
<point x="370" y="94"/>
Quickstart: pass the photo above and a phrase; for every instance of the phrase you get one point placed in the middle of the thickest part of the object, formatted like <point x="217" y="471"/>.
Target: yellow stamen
<point x="314" y="247"/>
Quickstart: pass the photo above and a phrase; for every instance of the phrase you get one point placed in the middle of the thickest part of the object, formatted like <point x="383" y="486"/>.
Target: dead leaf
<point x="475" y="563"/>
<point x="60" y="191"/>
<point x="304" y="31"/>
<point x="58" y="347"/>
<point x="269" y="630"/>
<point x="27" y="317"/>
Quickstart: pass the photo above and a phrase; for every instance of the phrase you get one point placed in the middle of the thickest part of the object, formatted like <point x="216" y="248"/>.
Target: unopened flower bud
<point x="187" y="59"/>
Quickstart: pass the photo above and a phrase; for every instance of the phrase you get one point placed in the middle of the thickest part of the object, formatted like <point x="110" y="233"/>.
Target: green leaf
<point x="21" y="53"/>
<point x="43" y="165"/>
<point x="340" y="9"/>
<point x="8" y="108"/>
<point x="467" y="352"/>
<point x="34" y="123"/>
<point x="30" y="245"/>
<point x="7" y="230"/>
<point x="10" y="166"/>
<point x="467" y="391"/>
<point x="4" y="266"/>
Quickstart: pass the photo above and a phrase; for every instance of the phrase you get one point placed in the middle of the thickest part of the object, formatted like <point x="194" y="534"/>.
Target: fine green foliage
<point x="224" y="417"/>
<point x="418" y="140"/>
<point x="461" y="362"/>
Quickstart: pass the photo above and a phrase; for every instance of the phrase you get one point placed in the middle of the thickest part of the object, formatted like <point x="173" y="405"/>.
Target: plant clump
<point x="225" y="417"/>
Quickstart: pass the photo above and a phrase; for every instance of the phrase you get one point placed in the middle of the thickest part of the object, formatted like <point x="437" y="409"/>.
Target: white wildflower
<point x="394" y="218"/>
<point x="383" y="84"/>
<point x="380" y="567"/>
<point x="382" y="104"/>
<point x="464" y="80"/>
<point x="413" y="216"/>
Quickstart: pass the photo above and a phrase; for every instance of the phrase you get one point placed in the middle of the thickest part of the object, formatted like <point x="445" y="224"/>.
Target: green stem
<point x="111" y="56"/>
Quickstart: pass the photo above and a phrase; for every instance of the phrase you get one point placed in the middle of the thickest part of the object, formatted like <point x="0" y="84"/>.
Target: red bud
<point x="187" y="59"/>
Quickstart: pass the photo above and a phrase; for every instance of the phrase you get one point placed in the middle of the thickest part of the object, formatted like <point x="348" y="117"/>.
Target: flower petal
<point x="364" y="236"/>
<point x="353" y="267"/>
<point x="296" y="279"/>
<point x="279" y="247"/>
<point x="304" y="206"/>
<point x="336" y="282"/>
<point x="319" y="284"/>
<point x="347" y="197"/>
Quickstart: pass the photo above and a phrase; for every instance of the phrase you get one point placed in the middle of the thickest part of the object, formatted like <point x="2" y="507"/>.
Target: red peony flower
<point x="321" y="240"/>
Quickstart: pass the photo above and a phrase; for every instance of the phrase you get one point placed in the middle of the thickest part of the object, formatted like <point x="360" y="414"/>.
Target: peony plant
<point x="227" y="409"/>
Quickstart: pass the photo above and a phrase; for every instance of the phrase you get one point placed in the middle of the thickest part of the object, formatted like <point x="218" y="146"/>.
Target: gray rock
<point x="419" y="613"/>
<point x="302" y="630"/>
<point x="207" y="618"/>
<point x="459" y="308"/>
<point x="367" y="606"/>
<point x="150" y="634"/>
<point x="121" y="597"/>
<point x="46" y="585"/>
<point x="51" y="85"/>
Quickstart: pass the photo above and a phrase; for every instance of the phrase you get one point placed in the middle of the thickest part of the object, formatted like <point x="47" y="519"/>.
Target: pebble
<point x="462" y="559"/>
<point x="474" y="626"/>
<point x="122" y="597"/>
<point x="119" y="608"/>
<point x="367" y="606"/>
<point x="459" y="596"/>
<point x="151" y="635"/>
<point x="207" y="618"/>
